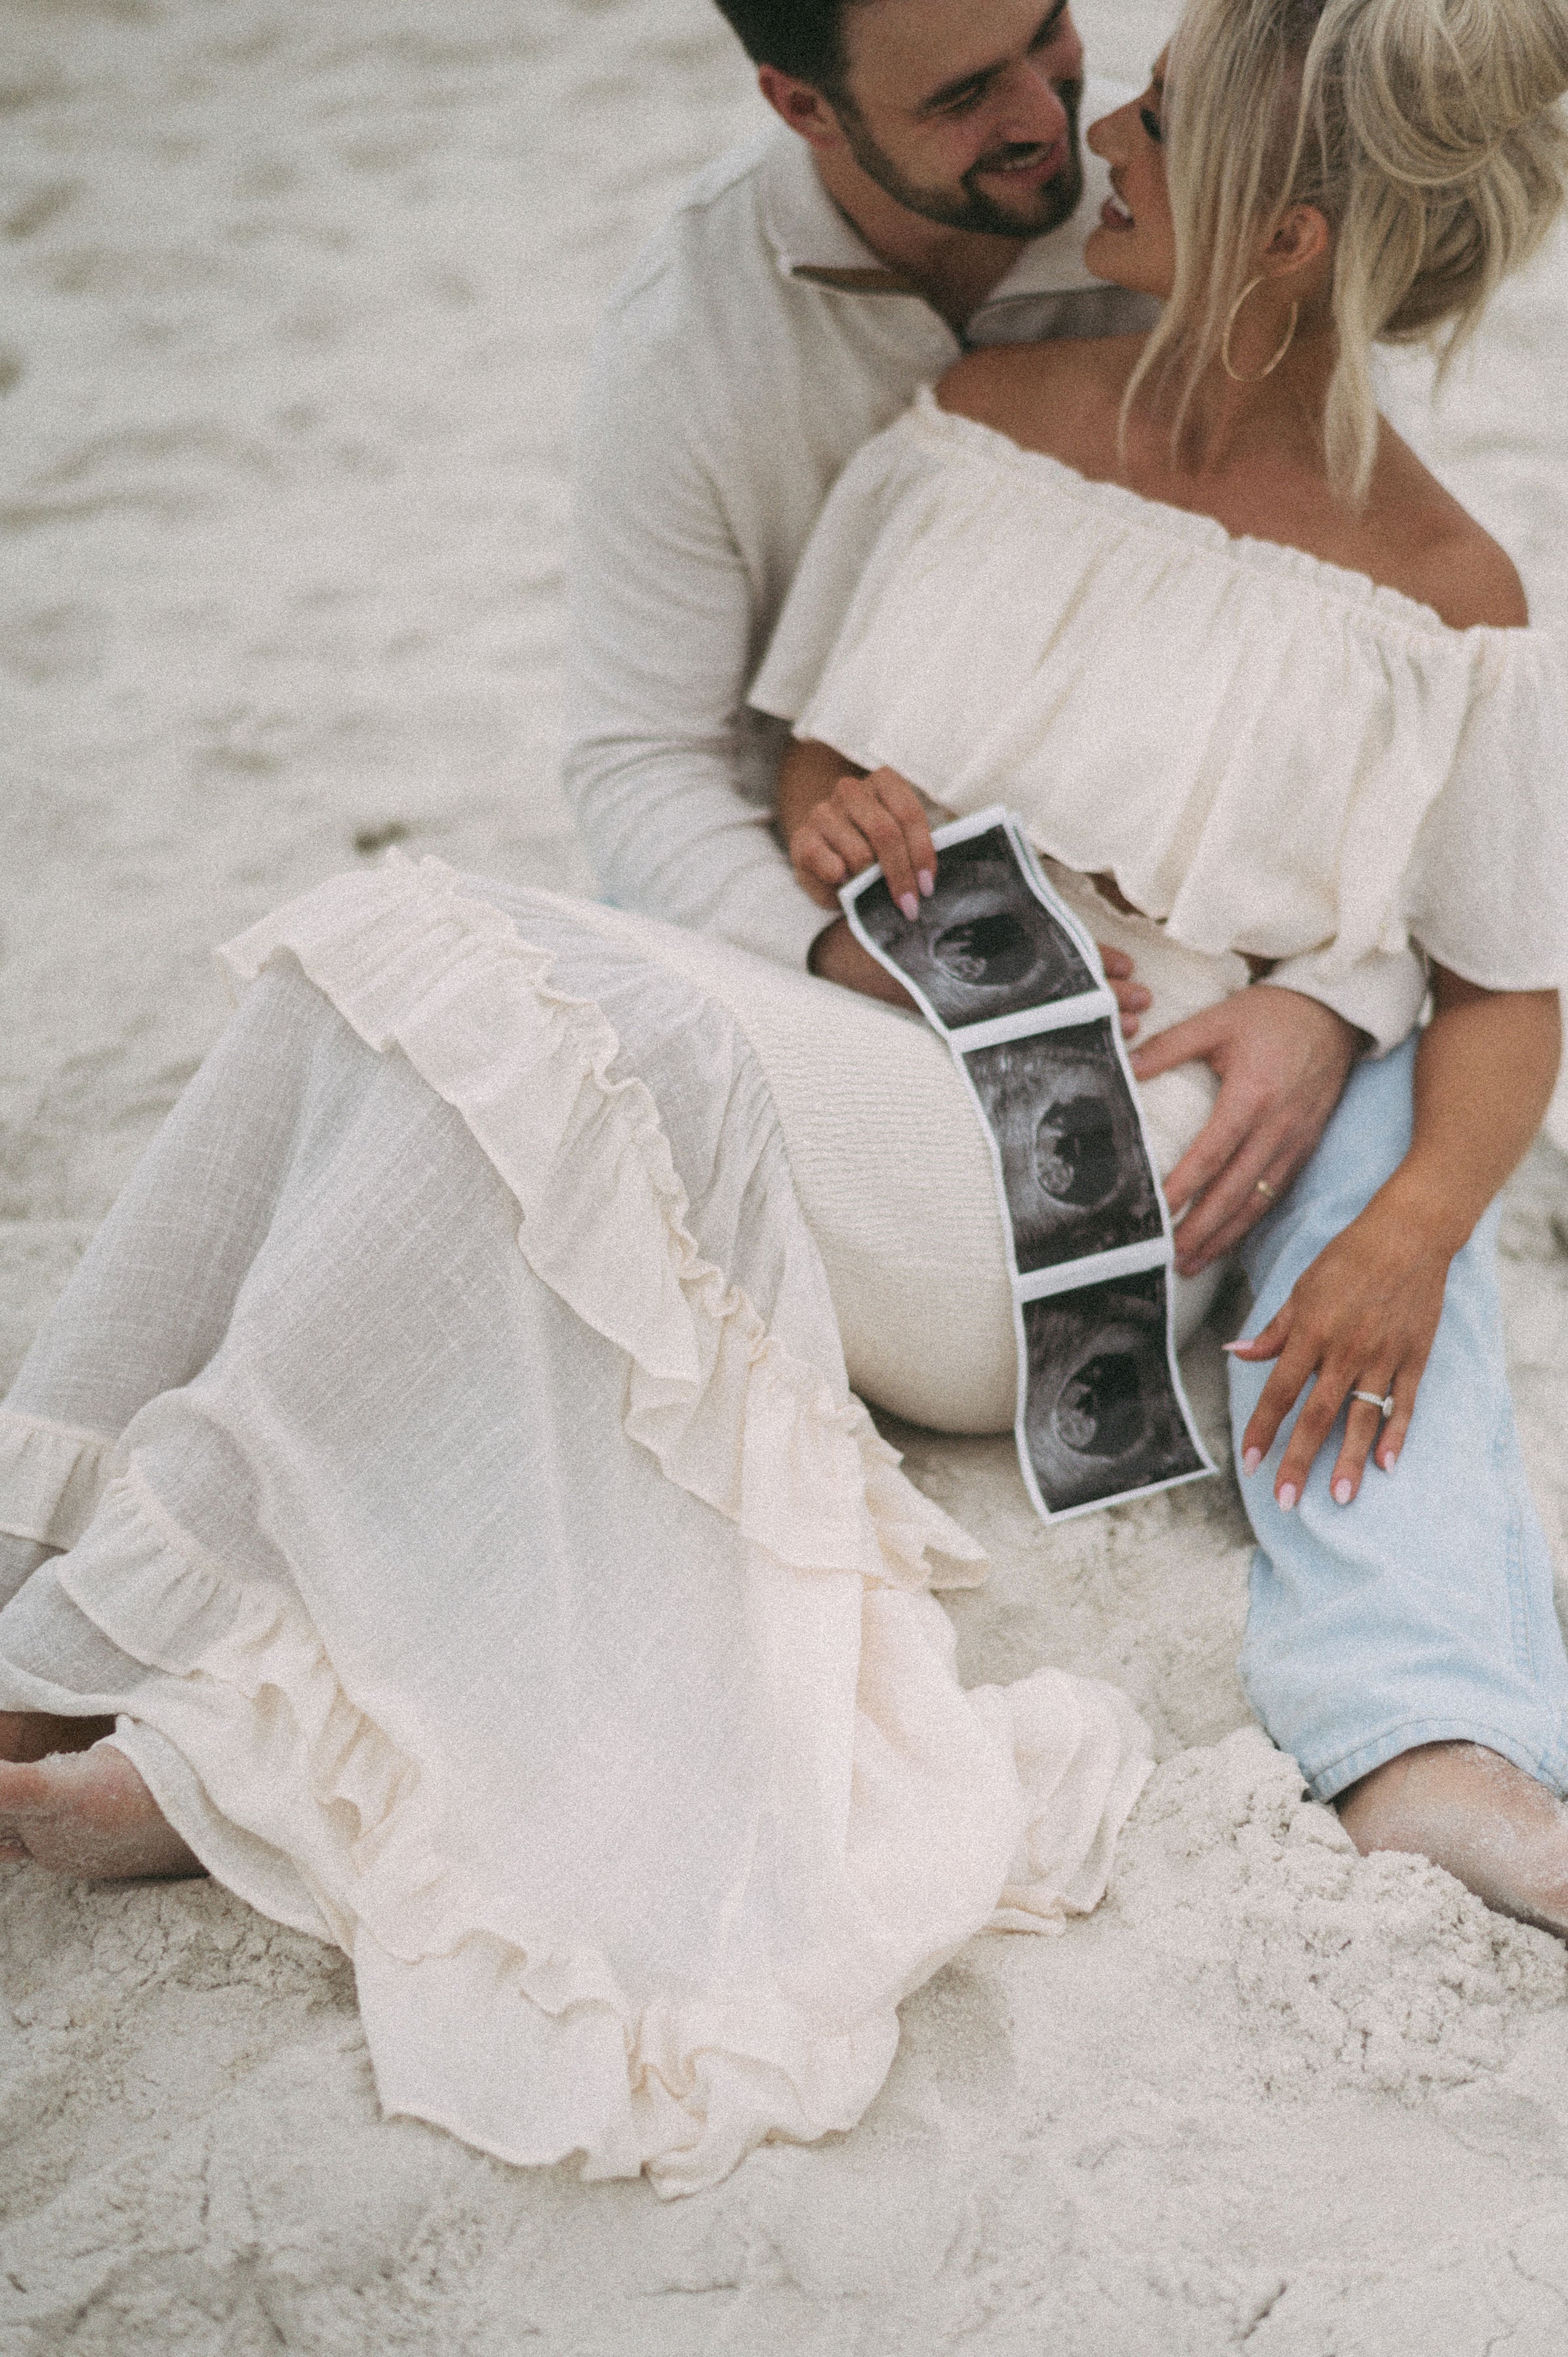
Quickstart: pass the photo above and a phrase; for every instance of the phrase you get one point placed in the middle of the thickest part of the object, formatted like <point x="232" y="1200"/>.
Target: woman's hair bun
<point x="1431" y="89"/>
<point x="1428" y="132"/>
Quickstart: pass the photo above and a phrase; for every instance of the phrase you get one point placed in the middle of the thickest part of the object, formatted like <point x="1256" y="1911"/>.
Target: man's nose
<point x="1032" y="109"/>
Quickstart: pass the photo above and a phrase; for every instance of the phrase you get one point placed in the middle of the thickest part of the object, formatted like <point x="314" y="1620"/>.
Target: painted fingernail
<point x="927" y="882"/>
<point x="1286" y="1494"/>
<point x="1389" y="1460"/>
<point x="1232" y="1346"/>
<point x="1342" y="1491"/>
<point x="1250" y="1460"/>
<point x="909" y="904"/>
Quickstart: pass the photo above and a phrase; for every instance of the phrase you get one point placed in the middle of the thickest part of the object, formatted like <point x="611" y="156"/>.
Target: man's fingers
<point x="1221" y="1136"/>
<point x="1220" y="1243"/>
<point x="1250" y="1185"/>
<point x="1187" y="1042"/>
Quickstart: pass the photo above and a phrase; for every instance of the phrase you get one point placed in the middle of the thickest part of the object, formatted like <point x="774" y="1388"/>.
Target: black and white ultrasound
<point x="1103" y="1415"/>
<point x="984" y="944"/>
<point x="1074" y="1171"/>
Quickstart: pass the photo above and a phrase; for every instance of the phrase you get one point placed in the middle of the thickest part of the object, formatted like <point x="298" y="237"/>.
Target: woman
<point x="1332" y="729"/>
<point x="443" y="1465"/>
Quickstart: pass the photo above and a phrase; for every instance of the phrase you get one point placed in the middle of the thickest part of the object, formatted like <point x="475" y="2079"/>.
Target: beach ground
<point x="296" y="300"/>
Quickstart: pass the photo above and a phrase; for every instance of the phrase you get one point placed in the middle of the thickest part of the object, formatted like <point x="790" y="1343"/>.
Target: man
<point x="924" y="193"/>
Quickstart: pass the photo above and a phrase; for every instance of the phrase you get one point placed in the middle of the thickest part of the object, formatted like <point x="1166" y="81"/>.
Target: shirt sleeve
<point x="1486" y="890"/>
<point x="876" y="505"/>
<point x="662" y="629"/>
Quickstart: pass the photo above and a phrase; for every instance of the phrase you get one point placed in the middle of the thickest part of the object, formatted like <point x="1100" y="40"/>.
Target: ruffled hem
<point x="921" y="1813"/>
<point x="51" y="1478"/>
<point x="527" y="2047"/>
<point x="731" y="1415"/>
<point x="463" y="2006"/>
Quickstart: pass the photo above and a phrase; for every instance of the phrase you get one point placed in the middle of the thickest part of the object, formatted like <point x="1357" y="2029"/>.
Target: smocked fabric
<point x="1270" y="754"/>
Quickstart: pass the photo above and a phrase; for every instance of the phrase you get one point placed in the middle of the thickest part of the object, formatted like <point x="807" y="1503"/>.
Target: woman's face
<point x="1134" y="245"/>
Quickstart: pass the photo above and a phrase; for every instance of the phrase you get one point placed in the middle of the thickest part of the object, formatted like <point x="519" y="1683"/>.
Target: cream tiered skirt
<point x="892" y="1167"/>
<point x="461" y="1499"/>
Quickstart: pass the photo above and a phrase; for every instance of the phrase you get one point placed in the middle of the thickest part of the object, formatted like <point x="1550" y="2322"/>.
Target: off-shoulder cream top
<point x="1270" y="754"/>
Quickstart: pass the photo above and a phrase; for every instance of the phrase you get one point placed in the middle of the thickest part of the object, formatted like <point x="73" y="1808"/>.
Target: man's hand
<point x="1283" y="1062"/>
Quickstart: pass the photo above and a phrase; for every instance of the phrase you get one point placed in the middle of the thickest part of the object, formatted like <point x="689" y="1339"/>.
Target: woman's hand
<point x="862" y="821"/>
<point x="834" y="832"/>
<point x="1361" y="1318"/>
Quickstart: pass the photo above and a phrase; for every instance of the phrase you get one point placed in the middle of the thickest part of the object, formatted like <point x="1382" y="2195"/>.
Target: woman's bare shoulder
<point x="1047" y="396"/>
<point x="1438" y="554"/>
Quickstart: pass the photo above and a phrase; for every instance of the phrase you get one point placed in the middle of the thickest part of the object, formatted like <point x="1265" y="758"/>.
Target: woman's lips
<point x="1114" y="214"/>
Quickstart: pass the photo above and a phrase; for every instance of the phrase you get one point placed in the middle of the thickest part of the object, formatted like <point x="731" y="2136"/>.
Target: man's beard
<point x="1044" y="209"/>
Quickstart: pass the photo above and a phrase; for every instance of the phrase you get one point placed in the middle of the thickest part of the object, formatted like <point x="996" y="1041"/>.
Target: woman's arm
<point x="1363" y="1316"/>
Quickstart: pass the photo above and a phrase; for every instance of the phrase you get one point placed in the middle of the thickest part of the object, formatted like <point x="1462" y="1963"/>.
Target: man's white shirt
<point x="753" y="347"/>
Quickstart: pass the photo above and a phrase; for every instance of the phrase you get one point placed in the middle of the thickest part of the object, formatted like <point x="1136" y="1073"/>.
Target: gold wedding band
<point x="1383" y="1400"/>
<point x="1264" y="1189"/>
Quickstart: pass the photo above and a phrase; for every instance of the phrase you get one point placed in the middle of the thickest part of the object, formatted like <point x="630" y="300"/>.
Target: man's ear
<point x="805" y="109"/>
<point x="1302" y="241"/>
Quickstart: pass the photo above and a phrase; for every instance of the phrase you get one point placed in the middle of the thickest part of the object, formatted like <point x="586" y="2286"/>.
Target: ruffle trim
<point x="734" y="1417"/>
<point x="1342" y="586"/>
<point x="51" y="1478"/>
<point x="681" y="2088"/>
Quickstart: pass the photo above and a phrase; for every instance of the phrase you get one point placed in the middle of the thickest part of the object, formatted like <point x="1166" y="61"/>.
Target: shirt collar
<point x="811" y="238"/>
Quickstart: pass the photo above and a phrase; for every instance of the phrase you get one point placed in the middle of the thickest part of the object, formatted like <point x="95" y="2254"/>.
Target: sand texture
<point x="295" y="297"/>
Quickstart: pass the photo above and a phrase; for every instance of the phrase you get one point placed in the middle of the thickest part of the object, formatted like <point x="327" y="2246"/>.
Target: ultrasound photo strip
<point x="1004" y="972"/>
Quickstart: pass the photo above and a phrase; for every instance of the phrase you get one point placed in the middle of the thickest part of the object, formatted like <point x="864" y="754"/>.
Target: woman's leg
<point x="1405" y="1649"/>
<point x="153" y="1294"/>
<point x="87" y="1812"/>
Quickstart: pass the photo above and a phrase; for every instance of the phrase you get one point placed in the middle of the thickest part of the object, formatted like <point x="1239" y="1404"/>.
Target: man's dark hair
<point x="803" y="38"/>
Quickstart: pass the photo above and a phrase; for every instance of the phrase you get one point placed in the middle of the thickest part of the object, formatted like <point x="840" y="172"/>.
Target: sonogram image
<point x="983" y="944"/>
<point x="1103" y="1416"/>
<point x="1074" y="1168"/>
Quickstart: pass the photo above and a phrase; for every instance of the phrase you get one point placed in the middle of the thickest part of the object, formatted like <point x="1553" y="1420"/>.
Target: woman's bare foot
<point x="87" y="1813"/>
<point x="33" y="1734"/>
<point x="1501" y="1834"/>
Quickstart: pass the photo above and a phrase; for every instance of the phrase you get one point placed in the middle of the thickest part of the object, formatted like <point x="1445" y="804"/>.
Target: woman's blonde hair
<point x="1427" y="133"/>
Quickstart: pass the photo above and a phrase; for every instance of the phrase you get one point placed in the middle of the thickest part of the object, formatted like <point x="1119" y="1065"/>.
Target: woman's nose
<point x="1102" y="139"/>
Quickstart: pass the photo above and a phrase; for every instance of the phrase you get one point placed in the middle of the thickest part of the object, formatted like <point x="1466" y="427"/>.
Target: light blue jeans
<point x="1421" y="1613"/>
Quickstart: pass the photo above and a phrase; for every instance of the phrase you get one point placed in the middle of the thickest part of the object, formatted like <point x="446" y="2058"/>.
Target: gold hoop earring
<point x="1258" y="374"/>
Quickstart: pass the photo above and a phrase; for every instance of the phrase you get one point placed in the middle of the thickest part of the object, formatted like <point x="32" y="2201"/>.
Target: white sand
<point x="296" y="297"/>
